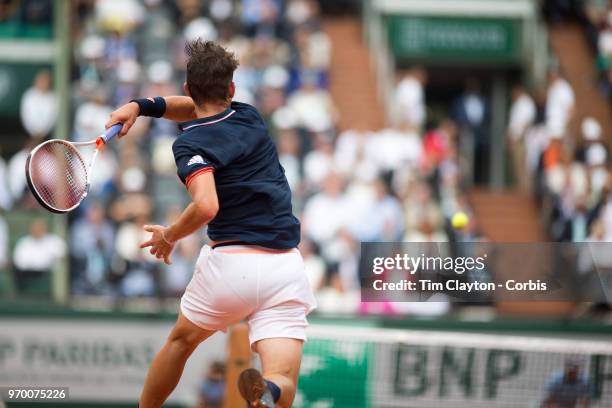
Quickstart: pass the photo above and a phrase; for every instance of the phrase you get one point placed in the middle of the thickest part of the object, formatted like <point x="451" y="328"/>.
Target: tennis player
<point x="251" y="269"/>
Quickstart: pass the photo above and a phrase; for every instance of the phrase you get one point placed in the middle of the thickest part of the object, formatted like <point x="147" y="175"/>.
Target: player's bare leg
<point x="167" y="366"/>
<point x="280" y="360"/>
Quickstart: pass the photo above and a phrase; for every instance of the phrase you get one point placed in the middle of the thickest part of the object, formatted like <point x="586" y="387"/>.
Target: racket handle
<point x="112" y="132"/>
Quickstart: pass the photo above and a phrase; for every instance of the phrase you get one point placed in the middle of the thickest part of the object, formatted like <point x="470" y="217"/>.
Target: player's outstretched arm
<point x="201" y="211"/>
<point x="177" y="108"/>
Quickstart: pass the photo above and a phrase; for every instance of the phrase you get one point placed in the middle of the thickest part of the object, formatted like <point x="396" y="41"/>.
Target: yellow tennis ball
<point x="459" y="220"/>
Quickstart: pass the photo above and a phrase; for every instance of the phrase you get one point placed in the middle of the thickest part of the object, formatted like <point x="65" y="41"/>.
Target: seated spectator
<point x="569" y="387"/>
<point x="91" y="248"/>
<point x="91" y="116"/>
<point x="314" y="107"/>
<point x="384" y="217"/>
<point x="39" y="107"/>
<point x="325" y="212"/>
<point x="35" y="255"/>
<point x="319" y="162"/>
<point x="212" y="387"/>
<point x="138" y="274"/>
<point x="422" y="214"/>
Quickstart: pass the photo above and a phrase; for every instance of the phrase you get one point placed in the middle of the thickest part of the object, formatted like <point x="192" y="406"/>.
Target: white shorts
<point x="269" y="288"/>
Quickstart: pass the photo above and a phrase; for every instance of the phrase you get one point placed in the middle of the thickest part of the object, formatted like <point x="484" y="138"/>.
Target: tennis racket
<point x="58" y="173"/>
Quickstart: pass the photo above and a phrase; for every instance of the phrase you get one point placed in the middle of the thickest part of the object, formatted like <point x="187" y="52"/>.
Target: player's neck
<point x="210" y="109"/>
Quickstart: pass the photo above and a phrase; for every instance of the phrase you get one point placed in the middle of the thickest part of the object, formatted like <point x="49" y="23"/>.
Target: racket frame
<point x="99" y="143"/>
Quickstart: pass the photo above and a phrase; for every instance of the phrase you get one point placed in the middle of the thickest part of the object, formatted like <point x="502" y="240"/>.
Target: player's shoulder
<point x="246" y="111"/>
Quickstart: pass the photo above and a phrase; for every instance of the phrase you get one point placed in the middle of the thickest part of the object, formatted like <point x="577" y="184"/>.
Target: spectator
<point x="325" y="212"/>
<point x="39" y="107"/>
<point x="91" y="248"/>
<point x="560" y="101"/>
<point x="569" y="388"/>
<point x="522" y="116"/>
<point x="16" y="178"/>
<point x="314" y="107"/>
<point x="91" y="116"/>
<point x="410" y="98"/>
<point x="319" y="162"/>
<point x="36" y="254"/>
<point x="138" y="274"/>
<point x="384" y="217"/>
<point x="470" y="113"/>
<point x="212" y="388"/>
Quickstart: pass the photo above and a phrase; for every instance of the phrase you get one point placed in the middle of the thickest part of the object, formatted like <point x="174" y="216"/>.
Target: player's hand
<point x="127" y="114"/>
<point x="160" y="246"/>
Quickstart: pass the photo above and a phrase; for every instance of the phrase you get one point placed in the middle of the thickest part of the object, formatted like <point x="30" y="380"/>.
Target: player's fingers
<point x="149" y="228"/>
<point x="167" y="260"/>
<point x="146" y="244"/>
<point x="153" y="250"/>
<point x="125" y="129"/>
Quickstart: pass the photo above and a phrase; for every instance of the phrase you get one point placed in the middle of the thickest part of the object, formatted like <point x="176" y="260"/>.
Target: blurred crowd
<point x="563" y="159"/>
<point x="357" y="185"/>
<point x="595" y="17"/>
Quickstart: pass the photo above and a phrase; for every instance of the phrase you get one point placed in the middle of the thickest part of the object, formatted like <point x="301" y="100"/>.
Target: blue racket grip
<point x="112" y="132"/>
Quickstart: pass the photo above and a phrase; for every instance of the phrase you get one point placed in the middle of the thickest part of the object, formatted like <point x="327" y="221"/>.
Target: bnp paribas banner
<point x="342" y="367"/>
<point x="372" y="367"/>
<point x="99" y="360"/>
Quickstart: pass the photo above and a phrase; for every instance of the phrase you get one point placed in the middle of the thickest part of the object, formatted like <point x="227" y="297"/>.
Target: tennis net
<point x="365" y="367"/>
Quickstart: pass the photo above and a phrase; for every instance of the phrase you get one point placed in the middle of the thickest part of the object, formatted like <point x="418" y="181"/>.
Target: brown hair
<point x="210" y="69"/>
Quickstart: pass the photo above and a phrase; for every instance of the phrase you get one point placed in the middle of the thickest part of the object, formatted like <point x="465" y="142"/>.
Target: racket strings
<point x="59" y="175"/>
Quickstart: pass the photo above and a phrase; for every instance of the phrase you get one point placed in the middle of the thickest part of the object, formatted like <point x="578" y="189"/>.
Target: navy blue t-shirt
<point x="254" y="196"/>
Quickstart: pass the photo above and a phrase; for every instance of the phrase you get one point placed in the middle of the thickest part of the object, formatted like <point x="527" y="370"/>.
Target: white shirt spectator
<point x="16" y="175"/>
<point x="391" y="149"/>
<point x="522" y="115"/>
<point x="319" y="51"/>
<point x="291" y="164"/>
<point x="90" y="119"/>
<point x="129" y="235"/>
<point x="313" y="108"/>
<point x="349" y="147"/>
<point x="410" y="99"/>
<point x="318" y="164"/>
<point x="536" y="140"/>
<point x="38" y="111"/>
<point x="38" y="254"/>
<point x="324" y="215"/>
<point x="560" y="102"/>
